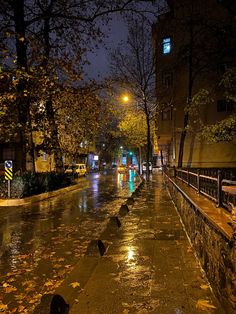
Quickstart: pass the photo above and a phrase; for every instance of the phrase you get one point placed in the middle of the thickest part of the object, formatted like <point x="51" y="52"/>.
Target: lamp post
<point x="121" y="154"/>
<point x="140" y="160"/>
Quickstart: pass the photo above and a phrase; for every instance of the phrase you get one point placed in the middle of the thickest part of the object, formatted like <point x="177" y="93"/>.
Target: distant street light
<point x="125" y="98"/>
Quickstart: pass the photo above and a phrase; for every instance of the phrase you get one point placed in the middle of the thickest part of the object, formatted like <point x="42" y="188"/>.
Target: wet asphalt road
<point x="40" y="244"/>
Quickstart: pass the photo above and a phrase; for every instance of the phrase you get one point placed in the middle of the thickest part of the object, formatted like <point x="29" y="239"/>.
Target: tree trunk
<point x="191" y="148"/>
<point x="162" y="162"/>
<point x="140" y="160"/>
<point x="54" y="137"/>
<point x="30" y="153"/>
<point x="23" y="104"/>
<point x="148" y="143"/>
<point x="49" y="104"/>
<point x="182" y="142"/>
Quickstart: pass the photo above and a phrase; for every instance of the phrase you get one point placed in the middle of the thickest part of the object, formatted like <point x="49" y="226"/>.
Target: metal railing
<point x="208" y="185"/>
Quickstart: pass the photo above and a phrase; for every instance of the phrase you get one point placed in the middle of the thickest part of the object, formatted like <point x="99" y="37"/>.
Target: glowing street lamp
<point x="125" y="98"/>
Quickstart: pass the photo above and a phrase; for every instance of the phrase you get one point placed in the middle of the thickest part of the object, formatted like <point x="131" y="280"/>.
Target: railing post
<point x="198" y="181"/>
<point x="174" y="172"/>
<point x="188" y="176"/>
<point x="219" y="193"/>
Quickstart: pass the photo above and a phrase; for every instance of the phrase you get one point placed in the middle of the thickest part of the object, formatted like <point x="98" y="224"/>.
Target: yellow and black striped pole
<point x="9" y="175"/>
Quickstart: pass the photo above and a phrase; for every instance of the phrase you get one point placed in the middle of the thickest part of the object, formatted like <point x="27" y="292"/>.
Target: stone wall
<point x="215" y="251"/>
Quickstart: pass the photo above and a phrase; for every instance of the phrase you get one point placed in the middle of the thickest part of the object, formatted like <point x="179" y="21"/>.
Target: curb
<point x="43" y="196"/>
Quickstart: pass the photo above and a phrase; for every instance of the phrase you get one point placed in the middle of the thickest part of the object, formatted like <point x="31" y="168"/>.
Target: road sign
<point x="8" y="164"/>
<point x="8" y="170"/>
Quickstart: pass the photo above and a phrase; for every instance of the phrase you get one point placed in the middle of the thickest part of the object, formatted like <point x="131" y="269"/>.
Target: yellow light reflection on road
<point x="131" y="261"/>
<point x="130" y="254"/>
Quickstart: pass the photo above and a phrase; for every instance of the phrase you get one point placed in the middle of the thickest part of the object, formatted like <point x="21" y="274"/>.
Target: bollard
<point x="52" y="304"/>
<point x="115" y="222"/>
<point x="137" y="189"/>
<point x="124" y="209"/>
<point x="130" y="201"/>
<point x="101" y="247"/>
<point x="141" y="184"/>
<point x="95" y="248"/>
<point x="136" y="193"/>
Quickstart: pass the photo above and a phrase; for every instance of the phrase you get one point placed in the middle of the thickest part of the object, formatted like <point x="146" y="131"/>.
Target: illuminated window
<point x="44" y="156"/>
<point x="166" y="45"/>
<point x="167" y="114"/>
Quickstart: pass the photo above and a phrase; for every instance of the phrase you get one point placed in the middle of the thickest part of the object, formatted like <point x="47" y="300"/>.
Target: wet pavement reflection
<point x="150" y="266"/>
<point x="40" y="244"/>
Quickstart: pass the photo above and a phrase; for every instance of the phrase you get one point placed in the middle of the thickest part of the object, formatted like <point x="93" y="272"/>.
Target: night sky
<point x="99" y="59"/>
<point x="116" y="31"/>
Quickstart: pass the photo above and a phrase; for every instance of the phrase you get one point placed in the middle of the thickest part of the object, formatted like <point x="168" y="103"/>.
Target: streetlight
<point x="125" y="98"/>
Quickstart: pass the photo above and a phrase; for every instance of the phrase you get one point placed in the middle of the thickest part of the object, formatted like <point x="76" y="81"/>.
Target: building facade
<point x="194" y="45"/>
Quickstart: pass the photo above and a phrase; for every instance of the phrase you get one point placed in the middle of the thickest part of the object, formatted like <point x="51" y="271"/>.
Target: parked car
<point x="121" y="168"/>
<point x="133" y="167"/>
<point x="76" y="169"/>
<point x="144" y="166"/>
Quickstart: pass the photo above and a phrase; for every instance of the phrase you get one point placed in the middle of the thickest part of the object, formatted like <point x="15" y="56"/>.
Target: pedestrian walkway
<point x="149" y="266"/>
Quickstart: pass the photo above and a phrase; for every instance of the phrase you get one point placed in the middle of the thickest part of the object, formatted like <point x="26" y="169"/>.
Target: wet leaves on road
<point x="38" y="265"/>
<point x="75" y="284"/>
<point x="3" y="307"/>
<point x="204" y="305"/>
<point x="10" y="289"/>
<point x="204" y="287"/>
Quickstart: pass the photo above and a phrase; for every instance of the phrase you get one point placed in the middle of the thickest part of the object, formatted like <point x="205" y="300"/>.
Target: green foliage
<point x="196" y="108"/>
<point x="53" y="181"/>
<point x="229" y="84"/>
<point x="221" y="131"/>
<point x="79" y="115"/>
<point x="51" y="39"/>
<point x="34" y="183"/>
<point x="224" y="130"/>
<point x="134" y="129"/>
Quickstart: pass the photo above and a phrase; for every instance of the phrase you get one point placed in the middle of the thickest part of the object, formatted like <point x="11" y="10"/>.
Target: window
<point x="44" y="156"/>
<point x="167" y="114"/>
<point x="224" y="106"/>
<point x="166" y="45"/>
<point x="167" y="79"/>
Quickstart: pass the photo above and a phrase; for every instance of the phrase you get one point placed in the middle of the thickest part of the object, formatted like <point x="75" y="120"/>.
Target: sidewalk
<point x="149" y="266"/>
